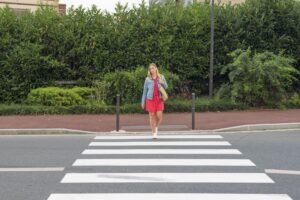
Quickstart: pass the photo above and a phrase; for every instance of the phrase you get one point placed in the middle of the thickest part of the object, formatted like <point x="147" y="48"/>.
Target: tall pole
<point x="212" y="32"/>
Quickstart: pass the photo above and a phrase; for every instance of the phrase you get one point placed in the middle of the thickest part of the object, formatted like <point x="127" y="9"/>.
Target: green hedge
<point x="55" y="96"/>
<point x="179" y="105"/>
<point x="129" y="84"/>
<point x="175" y="105"/>
<point x="40" y="48"/>
<point x="292" y="101"/>
<point x="19" y="109"/>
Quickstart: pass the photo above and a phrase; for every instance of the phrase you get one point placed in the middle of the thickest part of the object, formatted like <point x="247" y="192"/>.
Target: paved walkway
<point x="204" y="121"/>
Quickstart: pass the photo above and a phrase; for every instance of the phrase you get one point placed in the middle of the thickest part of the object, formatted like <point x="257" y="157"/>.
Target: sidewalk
<point x="136" y="122"/>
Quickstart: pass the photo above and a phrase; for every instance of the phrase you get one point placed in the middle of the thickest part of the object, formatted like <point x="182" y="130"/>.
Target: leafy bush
<point x="84" y="92"/>
<point x="129" y="84"/>
<point x="259" y="78"/>
<point x="55" y="96"/>
<point x="292" y="101"/>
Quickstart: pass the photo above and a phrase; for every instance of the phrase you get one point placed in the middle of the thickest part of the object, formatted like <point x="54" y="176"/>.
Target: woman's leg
<point x="153" y="121"/>
<point x="159" y="116"/>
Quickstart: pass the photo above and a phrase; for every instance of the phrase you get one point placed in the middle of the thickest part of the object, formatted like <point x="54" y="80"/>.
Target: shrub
<point x="292" y="101"/>
<point x="55" y="96"/>
<point x="84" y="92"/>
<point x="259" y="78"/>
<point x="100" y="90"/>
<point x="129" y="84"/>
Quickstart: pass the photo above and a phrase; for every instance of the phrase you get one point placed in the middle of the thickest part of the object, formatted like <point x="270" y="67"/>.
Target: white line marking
<point x="32" y="169"/>
<point x="159" y="143"/>
<point x="161" y="136"/>
<point x="277" y="171"/>
<point x="168" y="196"/>
<point x="160" y="151"/>
<point x="163" y="162"/>
<point x="166" y="177"/>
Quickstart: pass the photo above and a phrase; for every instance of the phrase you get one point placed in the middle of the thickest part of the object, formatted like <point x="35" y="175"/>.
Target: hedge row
<point x="40" y="48"/>
<point x="178" y="105"/>
<point x="170" y="106"/>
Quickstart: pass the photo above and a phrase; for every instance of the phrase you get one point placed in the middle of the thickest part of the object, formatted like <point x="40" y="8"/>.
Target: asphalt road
<point x="235" y="163"/>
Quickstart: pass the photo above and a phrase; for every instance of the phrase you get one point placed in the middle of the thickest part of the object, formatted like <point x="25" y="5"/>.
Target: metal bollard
<point x="118" y="113"/>
<point x="193" y="111"/>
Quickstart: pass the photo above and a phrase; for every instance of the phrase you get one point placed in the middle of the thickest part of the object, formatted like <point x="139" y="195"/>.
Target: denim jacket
<point x="149" y="88"/>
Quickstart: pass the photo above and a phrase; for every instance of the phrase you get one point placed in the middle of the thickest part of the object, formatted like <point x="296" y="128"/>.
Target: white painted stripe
<point x="163" y="162"/>
<point x="161" y="143"/>
<point x="166" y="177"/>
<point x="160" y="151"/>
<point x="45" y="169"/>
<point x="278" y="171"/>
<point x="168" y="196"/>
<point x="160" y="136"/>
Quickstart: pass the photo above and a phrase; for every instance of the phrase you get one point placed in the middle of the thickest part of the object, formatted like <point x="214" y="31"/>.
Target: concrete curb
<point x="64" y="131"/>
<point x="45" y="131"/>
<point x="241" y="128"/>
<point x="261" y="127"/>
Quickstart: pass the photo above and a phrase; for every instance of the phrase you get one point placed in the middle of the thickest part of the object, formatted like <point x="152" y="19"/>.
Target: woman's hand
<point x="143" y="106"/>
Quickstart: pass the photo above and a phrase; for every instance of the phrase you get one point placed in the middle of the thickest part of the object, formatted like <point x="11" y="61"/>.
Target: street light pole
<point x="212" y="32"/>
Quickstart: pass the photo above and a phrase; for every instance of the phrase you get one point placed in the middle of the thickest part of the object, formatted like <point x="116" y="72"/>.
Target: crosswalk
<point x="192" y="160"/>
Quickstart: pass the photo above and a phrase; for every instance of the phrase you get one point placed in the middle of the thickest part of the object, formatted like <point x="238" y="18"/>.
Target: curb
<point x="65" y="131"/>
<point x="261" y="127"/>
<point x="232" y="129"/>
<point x="45" y="131"/>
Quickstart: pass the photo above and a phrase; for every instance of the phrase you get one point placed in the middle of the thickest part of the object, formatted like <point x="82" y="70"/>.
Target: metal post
<point x="193" y="111"/>
<point x="118" y="113"/>
<point x="212" y="32"/>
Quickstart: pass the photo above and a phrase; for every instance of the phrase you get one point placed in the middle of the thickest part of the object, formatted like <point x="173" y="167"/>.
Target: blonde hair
<point x="149" y="75"/>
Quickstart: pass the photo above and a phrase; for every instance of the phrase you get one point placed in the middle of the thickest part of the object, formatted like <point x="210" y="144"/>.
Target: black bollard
<point x="193" y="111"/>
<point x="118" y="113"/>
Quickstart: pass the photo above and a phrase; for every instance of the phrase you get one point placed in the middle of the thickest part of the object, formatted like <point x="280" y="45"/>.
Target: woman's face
<point x="152" y="69"/>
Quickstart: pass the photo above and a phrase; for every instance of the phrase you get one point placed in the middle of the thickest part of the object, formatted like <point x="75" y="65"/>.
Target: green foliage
<point x="84" y="92"/>
<point x="174" y="105"/>
<point x="24" y="69"/>
<point x="259" y="78"/>
<point x="101" y="90"/>
<point x="203" y="104"/>
<point x="39" y="48"/>
<point x="129" y="84"/>
<point x="19" y="109"/>
<point x="54" y="96"/>
<point x="292" y="101"/>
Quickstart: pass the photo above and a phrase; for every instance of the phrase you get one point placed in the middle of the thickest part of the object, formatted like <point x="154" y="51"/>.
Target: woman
<point x="152" y="98"/>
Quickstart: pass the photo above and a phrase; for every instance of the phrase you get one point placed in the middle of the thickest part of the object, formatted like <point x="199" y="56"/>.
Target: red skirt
<point x="154" y="105"/>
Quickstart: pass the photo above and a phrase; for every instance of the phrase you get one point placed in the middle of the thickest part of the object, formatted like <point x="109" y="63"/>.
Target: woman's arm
<point x="144" y="93"/>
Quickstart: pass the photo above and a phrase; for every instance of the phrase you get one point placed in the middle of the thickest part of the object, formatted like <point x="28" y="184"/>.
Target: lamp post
<point x="212" y="32"/>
